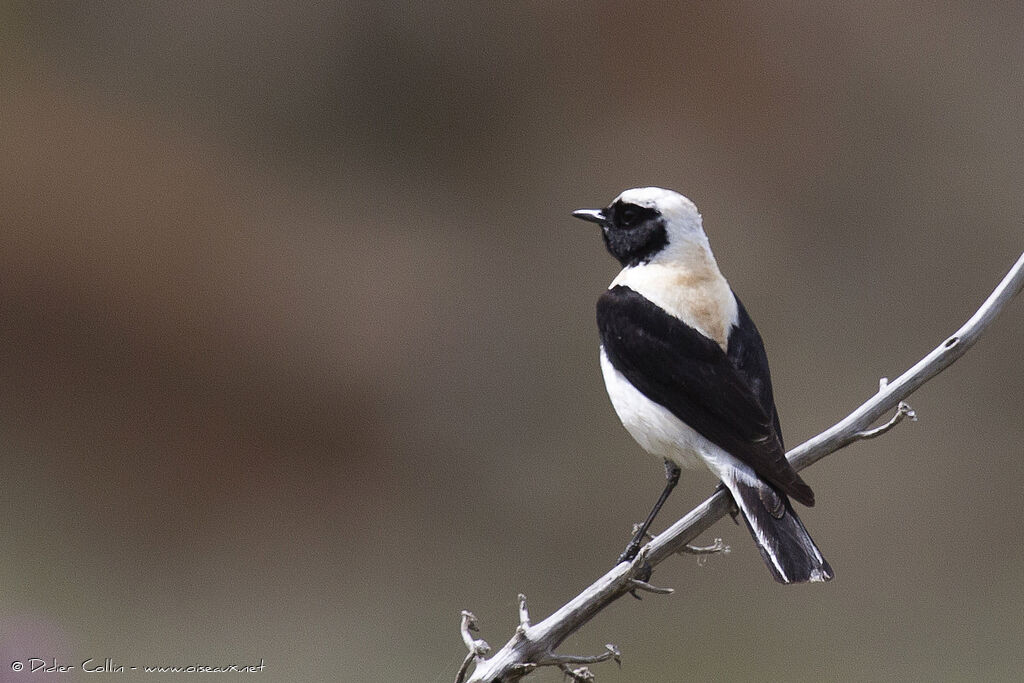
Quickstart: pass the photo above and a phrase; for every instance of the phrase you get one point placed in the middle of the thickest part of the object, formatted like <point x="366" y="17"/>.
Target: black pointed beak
<point x="591" y="215"/>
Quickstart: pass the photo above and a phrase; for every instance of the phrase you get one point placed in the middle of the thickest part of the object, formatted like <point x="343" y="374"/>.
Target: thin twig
<point x="717" y="546"/>
<point x="611" y="652"/>
<point x="524" y="614"/>
<point x="528" y="647"/>
<point x="644" y="586"/>
<point x="902" y="411"/>
<point x="477" y="648"/>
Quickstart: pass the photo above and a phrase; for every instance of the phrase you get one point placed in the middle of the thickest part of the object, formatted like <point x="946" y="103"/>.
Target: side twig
<point x="532" y="645"/>
<point x="478" y="649"/>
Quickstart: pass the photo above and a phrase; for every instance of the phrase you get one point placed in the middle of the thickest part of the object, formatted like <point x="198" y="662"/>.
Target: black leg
<point x="672" y="478"/>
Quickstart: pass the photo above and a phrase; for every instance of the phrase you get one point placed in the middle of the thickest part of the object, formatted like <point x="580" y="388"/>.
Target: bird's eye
<point x="629" y="216"/>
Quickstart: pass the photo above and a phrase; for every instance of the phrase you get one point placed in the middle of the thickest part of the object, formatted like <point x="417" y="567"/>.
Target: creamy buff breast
<point x="690" y="288"/>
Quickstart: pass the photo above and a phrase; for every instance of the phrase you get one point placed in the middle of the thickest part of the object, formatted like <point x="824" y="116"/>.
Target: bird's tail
<point x="784" y="543"/>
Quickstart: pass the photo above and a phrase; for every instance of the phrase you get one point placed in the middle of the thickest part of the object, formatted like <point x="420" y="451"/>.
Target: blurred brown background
<point x="298" y="349"/>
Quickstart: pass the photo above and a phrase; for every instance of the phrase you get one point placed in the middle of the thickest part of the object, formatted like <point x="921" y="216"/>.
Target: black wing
<point x="726" y="398"/>
<point x="746" y="351"/>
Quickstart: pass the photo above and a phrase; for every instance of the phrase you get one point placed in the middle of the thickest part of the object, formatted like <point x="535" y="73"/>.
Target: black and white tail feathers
<point x="784" y="543"/>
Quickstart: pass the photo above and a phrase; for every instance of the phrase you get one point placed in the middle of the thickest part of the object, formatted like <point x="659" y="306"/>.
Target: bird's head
<point x="647" y="224"/>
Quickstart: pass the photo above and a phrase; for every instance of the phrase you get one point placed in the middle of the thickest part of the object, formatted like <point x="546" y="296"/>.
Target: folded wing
<point x="726" y="397"/>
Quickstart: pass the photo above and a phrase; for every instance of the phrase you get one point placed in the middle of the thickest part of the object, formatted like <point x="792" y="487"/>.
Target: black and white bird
<point x="687" y="373"/>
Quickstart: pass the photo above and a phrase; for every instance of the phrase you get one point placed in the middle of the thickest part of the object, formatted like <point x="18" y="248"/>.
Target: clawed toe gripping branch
<point x="533" y="645"/>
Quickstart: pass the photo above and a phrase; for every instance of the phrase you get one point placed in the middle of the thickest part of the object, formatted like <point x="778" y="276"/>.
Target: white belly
<point x="662" y="434"/>
<point x="654" y="427"/>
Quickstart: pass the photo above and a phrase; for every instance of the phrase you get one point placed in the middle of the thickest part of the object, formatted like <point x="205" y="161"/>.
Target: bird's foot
<point x="643" y="572"/>
<point x="631" y="551"/>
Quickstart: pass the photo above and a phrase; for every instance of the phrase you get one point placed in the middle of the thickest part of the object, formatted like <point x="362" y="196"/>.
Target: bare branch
<point x="532" y="645"/>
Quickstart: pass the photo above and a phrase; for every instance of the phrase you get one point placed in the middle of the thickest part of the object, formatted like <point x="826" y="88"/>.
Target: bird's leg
<point x="672" y="478"/>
